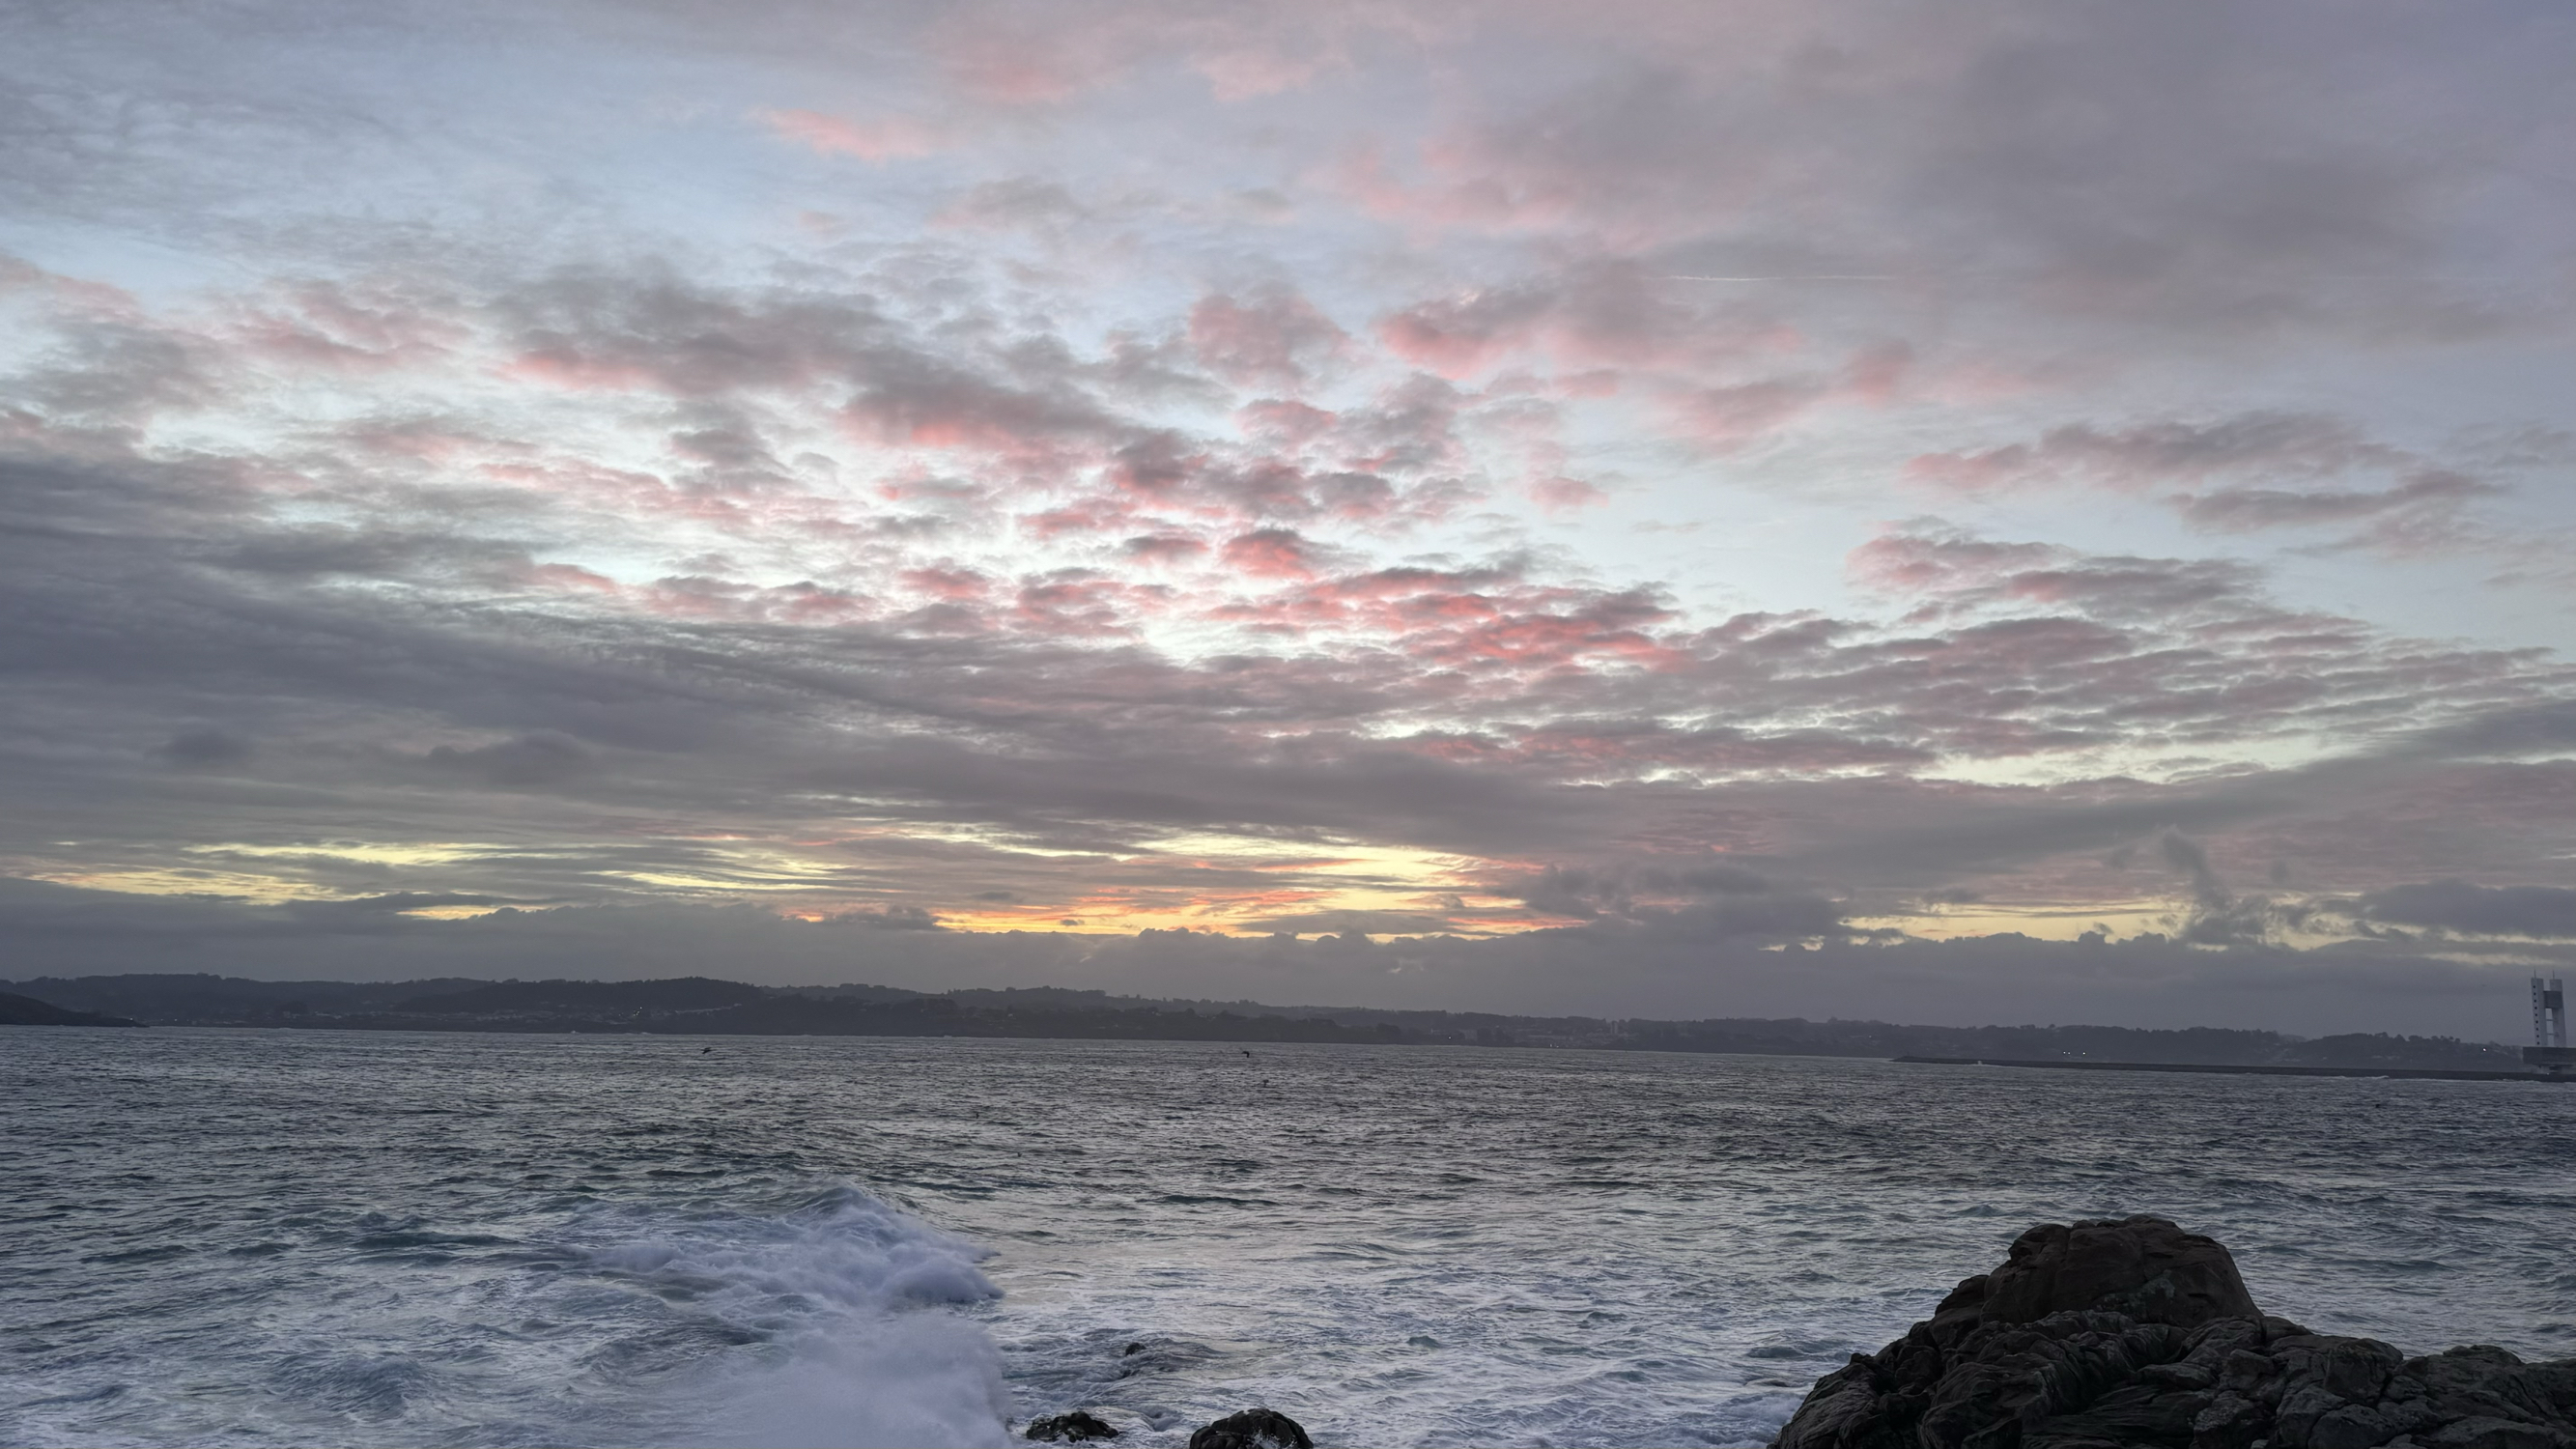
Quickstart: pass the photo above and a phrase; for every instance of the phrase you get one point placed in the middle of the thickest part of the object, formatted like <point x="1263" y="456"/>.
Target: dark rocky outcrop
<point x="2145" y="1268"/>
<point x="2105" y="1335"/>
<point x="1252" y="1429"/>
<point x="1073" y="1428"/>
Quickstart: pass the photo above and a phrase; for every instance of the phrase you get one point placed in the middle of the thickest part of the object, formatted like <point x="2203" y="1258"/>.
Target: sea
<point x="218" y="1237"/>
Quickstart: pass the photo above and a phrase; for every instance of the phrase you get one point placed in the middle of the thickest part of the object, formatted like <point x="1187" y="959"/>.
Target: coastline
<point x="704" y="1006"/>
<point x="2414" y="1074"/>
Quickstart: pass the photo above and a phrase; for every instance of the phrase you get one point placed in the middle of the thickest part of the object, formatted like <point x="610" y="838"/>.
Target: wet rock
<point x="1162" y="1355"/>
<point x="2137" y="1335"/>
<point x="2143" y="1267"/>
<point x="1252" y="1429"/>
<point x="1073" y="1428"/>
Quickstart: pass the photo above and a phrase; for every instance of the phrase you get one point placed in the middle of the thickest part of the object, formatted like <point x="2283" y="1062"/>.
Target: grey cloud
<point x="1588" y="892"/>
<point x="378" y="554"/>
<point x="2184" y="854"/>
<point x="542" y="757"/>
<point x="207" y="750"/>
<point x="2206" y="465"/>
<point x="119" y="374"/>
<point x="2170" y="450"/>
<point x="2457" y="905"/>
<point x="1777" y="916"/>
<point x="890" y="918"/>
<point x="1353" y="924"/>
<point x="2535" y="728"/>
<point x="2249" y="508"/>
<point x="2144" y="165"/>
<point x="2142" y="157"/>
<point x="1021" y="202"/>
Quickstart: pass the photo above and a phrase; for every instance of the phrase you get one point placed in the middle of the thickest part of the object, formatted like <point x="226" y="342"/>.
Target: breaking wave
<point x="827" y="1324"/>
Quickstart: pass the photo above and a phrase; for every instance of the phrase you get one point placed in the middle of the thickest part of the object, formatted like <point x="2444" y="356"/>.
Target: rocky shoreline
<point x="2128" y="1334"/>
<point x="2105" y="1335"/>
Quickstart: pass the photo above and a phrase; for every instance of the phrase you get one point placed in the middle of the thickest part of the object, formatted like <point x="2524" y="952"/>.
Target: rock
<point x="1252" y="1429"/>
<point x="2144" y="1267"/>
<point x="1073" y="1428"/>
<point x="2137" y="1335"/>
<point x="1162" y="1355"/>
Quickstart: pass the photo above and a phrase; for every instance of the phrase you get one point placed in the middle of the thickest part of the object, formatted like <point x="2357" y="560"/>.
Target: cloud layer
<point x="1550" y="485"/>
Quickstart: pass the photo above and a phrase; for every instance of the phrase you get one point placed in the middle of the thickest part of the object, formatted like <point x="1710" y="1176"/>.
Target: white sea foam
<point x="826" y="1318"/>
<point x="840" y="1303"/>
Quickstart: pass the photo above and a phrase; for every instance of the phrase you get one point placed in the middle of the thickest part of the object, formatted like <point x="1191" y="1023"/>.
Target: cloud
<point x="2545" y="912"/>
<point x="884" y="139"/>
<point x="1018" y="204"/>
<point x="541" y="757"/>
<point x="2226" y="476"/>
<point x="2164" y="452"/>
<point x="891" y="918"/>
<point x="207" y="750"/>
<point x="1588" y="893"/>
<point x="2242" y="509"/>
<point x="1275" y="339"/>
<point x="1592" y="313"/>
<point x="1271" y="553"/>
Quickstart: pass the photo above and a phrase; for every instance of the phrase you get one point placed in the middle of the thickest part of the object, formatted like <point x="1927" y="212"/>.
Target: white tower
<point x="2549" y="1050"/>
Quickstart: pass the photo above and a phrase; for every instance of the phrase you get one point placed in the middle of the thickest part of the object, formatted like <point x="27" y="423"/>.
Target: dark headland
<point x="2107" y="1335"/>
<point x="18" y="1010"/>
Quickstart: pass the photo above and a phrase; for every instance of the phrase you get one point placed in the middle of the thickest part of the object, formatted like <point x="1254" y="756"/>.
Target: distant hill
<point x="580" y="998"/>
<point x="204" y="1000"/>
<point x="705" y="1005"/>
<point x="28" y="1011"/>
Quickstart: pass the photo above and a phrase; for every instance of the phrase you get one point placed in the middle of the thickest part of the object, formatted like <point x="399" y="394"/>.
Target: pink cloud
<point x="1730" y="417"/>
<point x="323" y="325"/>
<point x="567" y="368"/>
<point x="1559" y="494"/>
<point x="1283" y="422"/>
<point x="885" y="139"/>
<point x="1464" y="335"/>
<point x="948" y="584"/>
<point x="1277" y="339"/>
<point x="1275" y="553"/>
<point x="1875" y="373"/>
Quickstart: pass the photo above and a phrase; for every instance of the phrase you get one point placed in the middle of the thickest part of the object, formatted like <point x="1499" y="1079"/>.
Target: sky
<point x="1990" y="511"/>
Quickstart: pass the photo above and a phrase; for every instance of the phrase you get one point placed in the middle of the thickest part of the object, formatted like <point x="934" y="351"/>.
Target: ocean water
<point x="264" y="1237"/>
